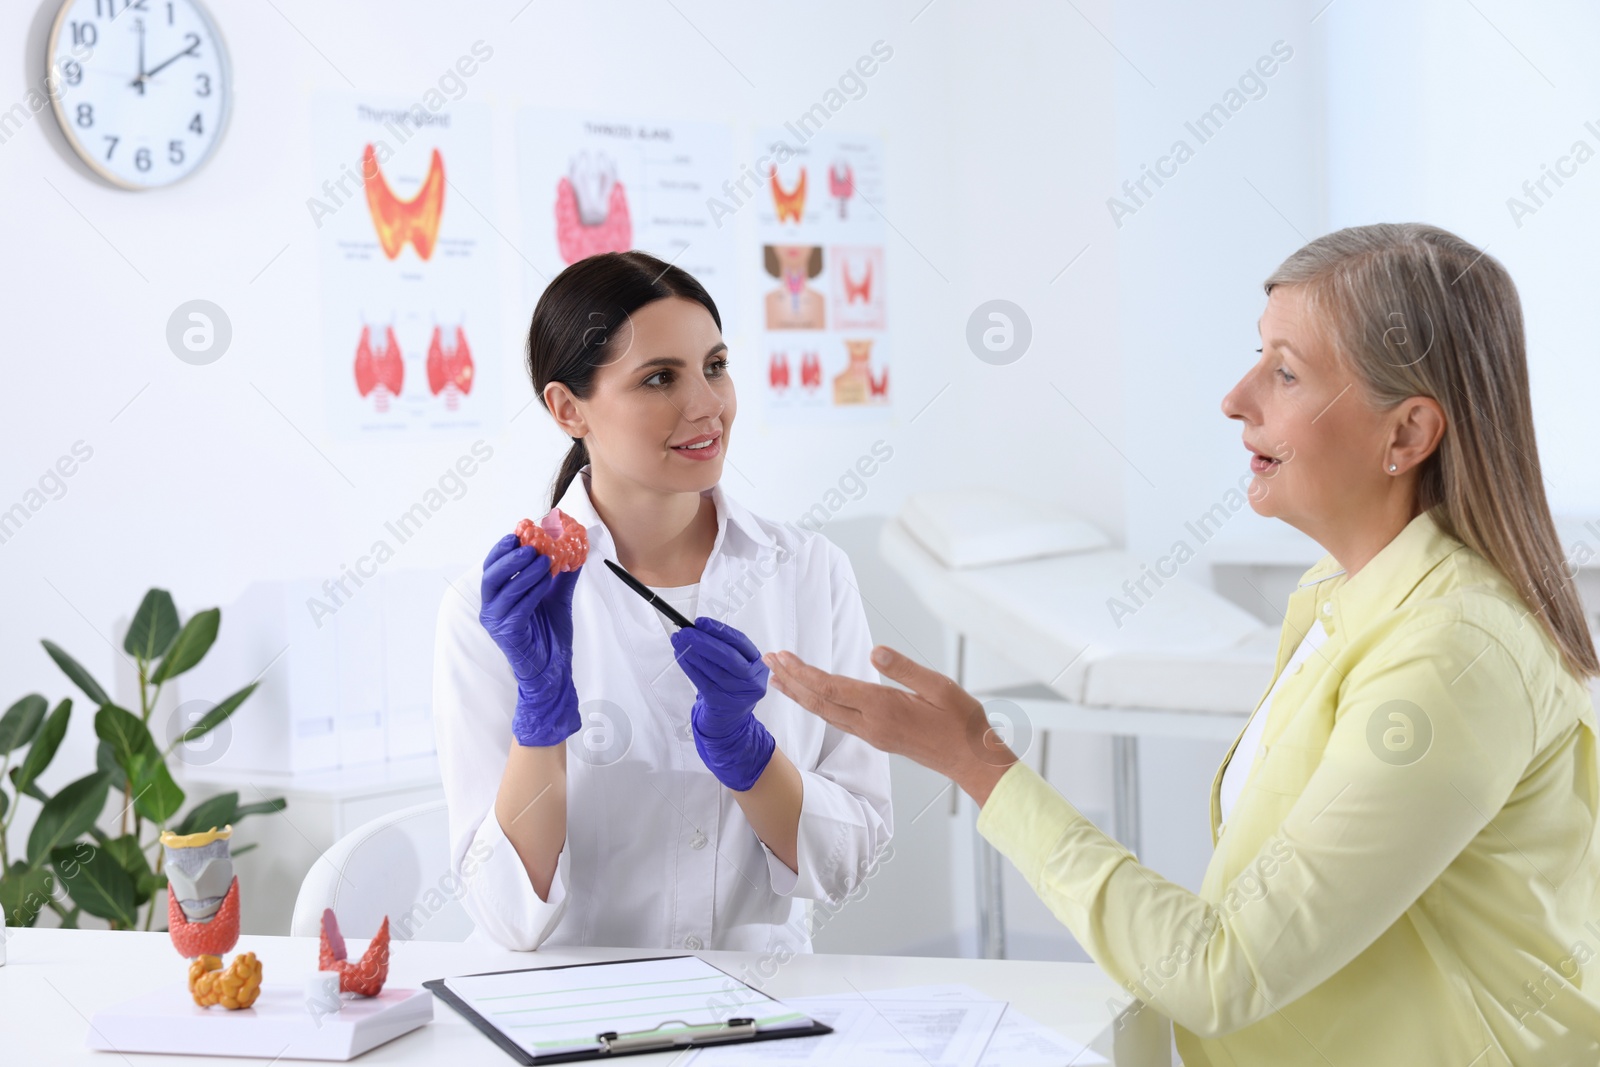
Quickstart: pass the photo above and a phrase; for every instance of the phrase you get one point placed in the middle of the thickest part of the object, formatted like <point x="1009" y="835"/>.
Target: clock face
<point x="142" y="87"/>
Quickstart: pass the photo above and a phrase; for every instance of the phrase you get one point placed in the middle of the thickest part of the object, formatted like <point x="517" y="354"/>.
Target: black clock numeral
<point x="195" y="126"/>
<point x="112" y="147"/>
<point x="85" y="115"/>
<point x="85" y="33"/>
<point x="175" y="153"/>
<point x="169" y="14"/>
<point x="194" y="44"/>
<point x="202" y="85"/>
<point x="72" y="71"/>
<point x="141" y="159"/>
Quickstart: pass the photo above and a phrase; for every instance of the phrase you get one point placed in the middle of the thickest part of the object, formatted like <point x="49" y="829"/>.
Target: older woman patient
<point x="1405" y="868"/>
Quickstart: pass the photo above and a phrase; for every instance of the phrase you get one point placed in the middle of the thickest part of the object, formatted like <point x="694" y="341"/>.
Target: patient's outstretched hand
<point x="938" y="724"/>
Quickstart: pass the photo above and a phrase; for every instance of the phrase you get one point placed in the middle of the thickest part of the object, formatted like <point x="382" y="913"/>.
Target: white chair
<point x="396" y="865"/>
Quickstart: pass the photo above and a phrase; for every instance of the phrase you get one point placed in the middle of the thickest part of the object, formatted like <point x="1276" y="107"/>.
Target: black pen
<point x="645" y="591"/>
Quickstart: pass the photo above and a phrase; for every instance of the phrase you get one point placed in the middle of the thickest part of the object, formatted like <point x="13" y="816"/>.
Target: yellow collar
<point x="1387" y="579"/>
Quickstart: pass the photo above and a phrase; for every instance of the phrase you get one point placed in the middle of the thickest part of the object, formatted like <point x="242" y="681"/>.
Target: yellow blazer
<point x="1409" y="876"/>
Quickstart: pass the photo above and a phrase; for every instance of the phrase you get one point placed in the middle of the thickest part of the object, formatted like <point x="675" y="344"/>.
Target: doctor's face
<point x="1314" y="443"/>
<point x="664" y="389"/>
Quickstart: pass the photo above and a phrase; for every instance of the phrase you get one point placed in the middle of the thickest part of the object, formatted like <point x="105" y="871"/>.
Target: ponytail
<point x="577" y="458"/>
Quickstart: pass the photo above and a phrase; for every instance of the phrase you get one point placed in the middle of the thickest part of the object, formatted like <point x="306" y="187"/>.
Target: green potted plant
<point x="70" y="865"/>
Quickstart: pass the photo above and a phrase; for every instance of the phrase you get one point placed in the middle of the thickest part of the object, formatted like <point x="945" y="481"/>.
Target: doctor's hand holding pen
<point x="938" y="724"/>
<point x="730" y="679"/>
<point x="528" y="613"/>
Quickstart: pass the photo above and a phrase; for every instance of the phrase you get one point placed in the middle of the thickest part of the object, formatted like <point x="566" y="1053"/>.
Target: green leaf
<point x="216" y="812"/>
<point x="24" y="892"/>
<point x="243" y="849"/>
<point x="154" y="627"/>
<point x="79" y="676"/>
<point x="105" y="759"/>
<point x="31" y="788"/>
<point x="194" y="642"/>
<point x="126" y="851"/>
<point x="263" y="807"/>
<point x="43" y="749"/>
<point x="95" y="881"/>
<point x="129" y="737"/>
<point x="217" y="715"/>
<point x="129" y="856"/>
<point x="148" y="884"/>
<point x="21" y="721"/>
<point x="155" y="795"/>
<point x="67" y="815"/>
<point x="5" y="802"/>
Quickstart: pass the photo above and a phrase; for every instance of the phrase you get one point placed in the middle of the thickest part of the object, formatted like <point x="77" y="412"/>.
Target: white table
<point x="55" y="980"/>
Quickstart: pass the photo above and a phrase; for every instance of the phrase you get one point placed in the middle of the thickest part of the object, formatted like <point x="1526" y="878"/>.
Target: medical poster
<point x="593" y="183"/>
<point x="822" y="275"/>
<point x="408" y="265"/>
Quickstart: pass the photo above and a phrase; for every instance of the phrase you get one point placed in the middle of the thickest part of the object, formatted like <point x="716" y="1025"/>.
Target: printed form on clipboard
<point x="583" y="1011"/>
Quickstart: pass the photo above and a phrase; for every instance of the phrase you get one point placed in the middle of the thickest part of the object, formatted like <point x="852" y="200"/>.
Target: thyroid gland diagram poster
<point x="821" y="274"/>
<point x="592" y="183"/>
<point x="409" y="280"/>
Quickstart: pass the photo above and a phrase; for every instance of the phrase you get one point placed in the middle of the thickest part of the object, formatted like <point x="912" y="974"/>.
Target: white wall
<point x="999" y="127"/>
<point x="1191" y="260"/>
<point x="1441" y="112"/>
<point x="1008" y="125"/>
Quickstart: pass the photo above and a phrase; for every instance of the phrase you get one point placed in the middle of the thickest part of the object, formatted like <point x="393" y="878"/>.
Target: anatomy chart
<point x="408" y="264"/>
<point x="822" y="274"/>
<point x="599" y="183"/>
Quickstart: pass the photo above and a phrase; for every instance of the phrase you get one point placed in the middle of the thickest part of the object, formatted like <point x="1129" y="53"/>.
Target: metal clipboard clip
<point x="653" y="1038"/>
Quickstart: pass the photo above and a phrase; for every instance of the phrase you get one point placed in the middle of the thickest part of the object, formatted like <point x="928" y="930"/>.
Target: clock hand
<point x="163" y="66"/>
<point x="138" y="82"/>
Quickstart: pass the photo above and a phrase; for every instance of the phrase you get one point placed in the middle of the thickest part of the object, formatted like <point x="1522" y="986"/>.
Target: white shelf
<point x="342" y="783"/>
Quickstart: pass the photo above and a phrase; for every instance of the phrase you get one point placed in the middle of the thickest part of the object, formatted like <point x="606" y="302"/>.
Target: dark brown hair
<point x="580" y="312"/>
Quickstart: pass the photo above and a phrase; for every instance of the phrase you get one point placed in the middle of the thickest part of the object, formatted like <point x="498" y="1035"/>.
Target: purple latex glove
<point x="729" y="678"/>
<point x="529" y="614"/>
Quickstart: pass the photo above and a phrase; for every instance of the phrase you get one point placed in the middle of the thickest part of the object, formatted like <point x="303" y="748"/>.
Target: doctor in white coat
<point x="611" y="779"/>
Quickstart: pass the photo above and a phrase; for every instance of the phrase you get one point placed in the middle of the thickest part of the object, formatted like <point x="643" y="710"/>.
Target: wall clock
<point x="142" y="87"/>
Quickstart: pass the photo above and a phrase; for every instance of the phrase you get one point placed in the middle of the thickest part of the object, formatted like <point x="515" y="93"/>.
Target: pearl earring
<point x="1391" y="468"/>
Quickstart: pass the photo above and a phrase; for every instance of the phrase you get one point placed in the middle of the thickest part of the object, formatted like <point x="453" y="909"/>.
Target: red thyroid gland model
<point x="364" y="977"/>
<point x="559" y="537"/>
<point x="203" y="917"/>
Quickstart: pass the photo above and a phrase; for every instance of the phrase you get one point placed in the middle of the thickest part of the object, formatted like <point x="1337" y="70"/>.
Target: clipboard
<point x="619" y="1042"/>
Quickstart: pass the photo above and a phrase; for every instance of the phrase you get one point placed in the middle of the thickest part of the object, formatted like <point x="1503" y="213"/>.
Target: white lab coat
<point x="658" y="853"/>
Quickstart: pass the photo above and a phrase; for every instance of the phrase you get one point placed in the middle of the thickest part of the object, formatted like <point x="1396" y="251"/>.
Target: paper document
<point x="562" y="1009"/>
<point x="1018" y="1040"/>
<point x="926" y="1026"/>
